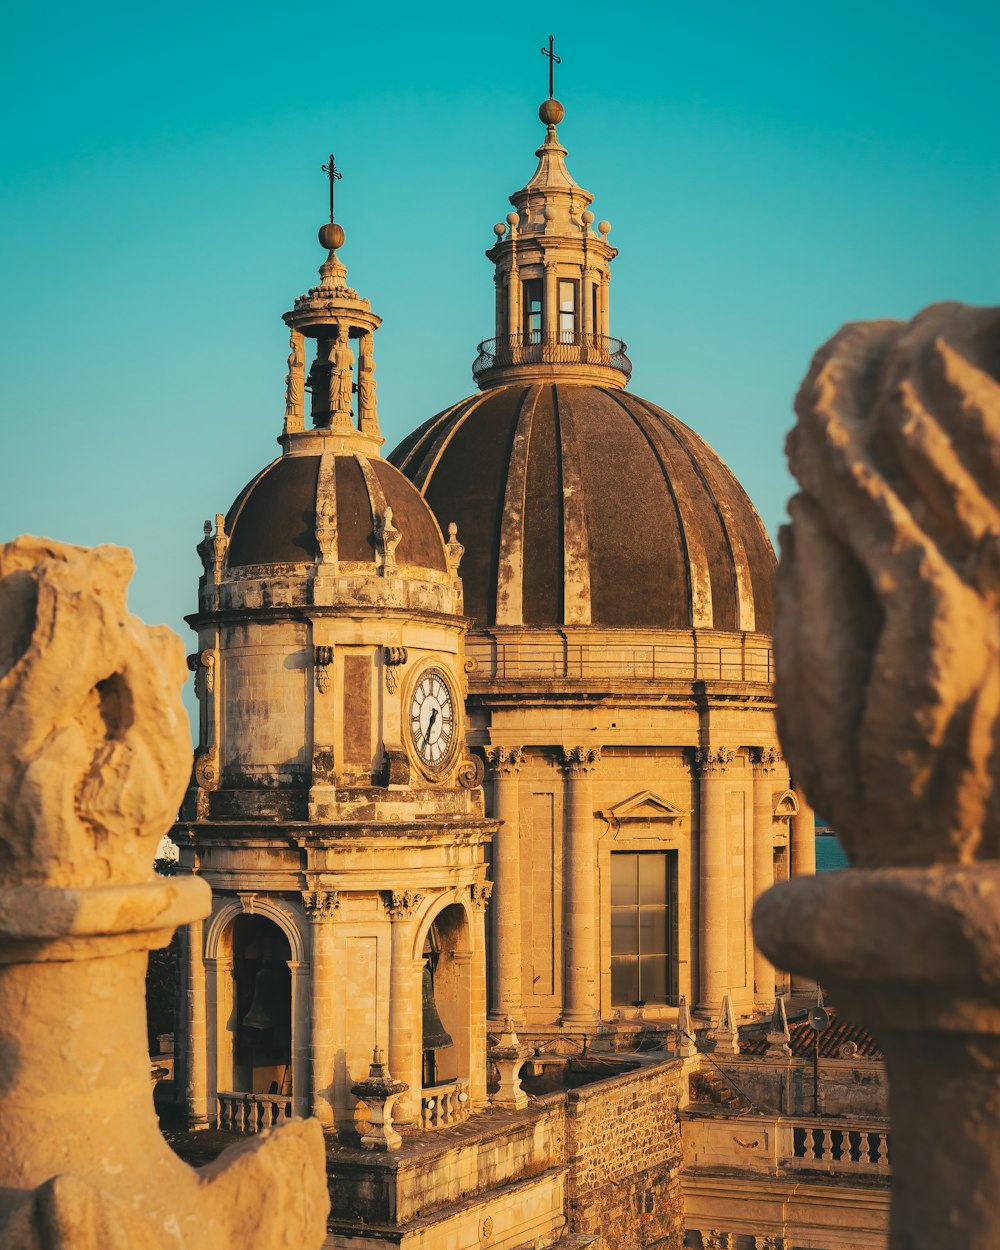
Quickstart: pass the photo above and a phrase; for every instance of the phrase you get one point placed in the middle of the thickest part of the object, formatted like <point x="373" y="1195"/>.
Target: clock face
<point x="433" y="719"/>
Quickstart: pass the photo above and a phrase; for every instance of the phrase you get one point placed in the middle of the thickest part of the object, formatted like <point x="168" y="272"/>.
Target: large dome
<point x="583" y="504"/>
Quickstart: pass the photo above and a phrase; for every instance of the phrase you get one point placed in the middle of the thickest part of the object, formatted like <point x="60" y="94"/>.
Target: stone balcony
<point x="565" y="355"/>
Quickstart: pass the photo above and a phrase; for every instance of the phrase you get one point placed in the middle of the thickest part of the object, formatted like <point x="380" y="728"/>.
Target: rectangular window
<point x="643" y="927"/>
<point x="532" y="310"/>
<point x="567" y="310"/>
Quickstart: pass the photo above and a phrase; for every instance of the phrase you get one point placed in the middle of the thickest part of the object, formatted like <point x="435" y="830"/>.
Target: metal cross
<point x="553" y="62"/>
<point x="334" y="174"/>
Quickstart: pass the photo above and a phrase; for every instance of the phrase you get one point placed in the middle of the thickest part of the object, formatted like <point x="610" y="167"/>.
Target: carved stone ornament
<point x="202" y="664"/>
<point x="387" y="539"/>
<point x="471" y="773"/>
<point x="94" y="759"/>
<point x="505" y="761"/>
<point x="213" y="547"/>
<point x="453" y="549"/>
<point x="765" y="760"/>
<point x="580" y="760"/>
<point x="480" y="892"/>
<point x="401" y="904"/>
<point x="320" y="904"/>
<point x="323" y="663"/>
<point x="326" y="529"/>
<point x="710" y="760"/>
<point x="294" y="380"/>
<point x="393" y="659"/>
<point x="716" y="1241"/>
<point x="206" y="768"/>
<point x="248" y="900"/>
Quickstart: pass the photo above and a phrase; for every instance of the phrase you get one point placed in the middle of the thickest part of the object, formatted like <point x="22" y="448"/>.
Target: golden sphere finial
<point x="551" y="112"/>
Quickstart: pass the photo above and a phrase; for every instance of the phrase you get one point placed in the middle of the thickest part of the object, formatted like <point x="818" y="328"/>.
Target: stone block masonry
<point x="623" y="1148"/>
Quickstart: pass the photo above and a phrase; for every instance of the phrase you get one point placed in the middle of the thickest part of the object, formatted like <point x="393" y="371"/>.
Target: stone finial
<point x="507" y="1056"/>
<point x="387" y="539"/>
<point x="686" y="1045"/>
<point x="378" y="1091"/>
<point x="213" y="547"/>
<point x="778" y="1035"/>
<point x="453" y="549"/>
<point x="888" y="585"/>
<point x="94" y="755"/>
<point x="724" y="1030"/>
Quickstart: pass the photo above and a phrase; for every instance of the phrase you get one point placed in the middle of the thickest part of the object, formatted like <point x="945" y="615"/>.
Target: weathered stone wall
<point x="851" y="1087"/>
<point x="623" y="1147"/>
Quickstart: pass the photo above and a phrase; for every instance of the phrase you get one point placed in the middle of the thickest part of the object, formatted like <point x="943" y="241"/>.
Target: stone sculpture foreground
<point x="94" y="758"/>
<point x="887" y="648"/>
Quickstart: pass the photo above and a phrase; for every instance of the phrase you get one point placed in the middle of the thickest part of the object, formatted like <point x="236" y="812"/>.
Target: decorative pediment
<point x="646" y="807"/>
<point x="786" y="805"/>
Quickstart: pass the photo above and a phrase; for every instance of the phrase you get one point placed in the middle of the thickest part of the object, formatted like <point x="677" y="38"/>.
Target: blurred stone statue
<point x="367" y="412"/>
<point x="887" y="652"/>
<point x="94" y="759"/>
<point x="342" y="376"/>
<point x="294" y="383"/>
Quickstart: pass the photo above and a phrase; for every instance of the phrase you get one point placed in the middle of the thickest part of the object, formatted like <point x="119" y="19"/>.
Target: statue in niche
<point x="366" y="392"/>
<point x="341" y="375"/>
<point x="294" y="382"/>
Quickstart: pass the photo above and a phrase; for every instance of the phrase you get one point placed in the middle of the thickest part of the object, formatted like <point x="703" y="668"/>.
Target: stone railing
<point x="444" y="1104"/>
<point x="562" y="348"/>
<point x="821" y="1146"/>
<point x="559" y="658"/>
<point x="774" y="1145"/>
<point x="252" y="1113"/>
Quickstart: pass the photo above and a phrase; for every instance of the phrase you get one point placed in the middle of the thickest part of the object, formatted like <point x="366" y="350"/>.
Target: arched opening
<point x="262" y="1019"/>
<point x="447" y="1002"/>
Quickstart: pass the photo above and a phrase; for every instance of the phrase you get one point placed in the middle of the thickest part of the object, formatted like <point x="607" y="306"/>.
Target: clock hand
<point x="430" y="724"/>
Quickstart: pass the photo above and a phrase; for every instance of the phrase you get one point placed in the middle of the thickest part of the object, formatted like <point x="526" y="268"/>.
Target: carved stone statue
<point x="887" y="650"/>
<point x="367" y="413"/>
<point x="294" y="383"/>
<point x="94" y="759"/>
<point x="341" y="376"/>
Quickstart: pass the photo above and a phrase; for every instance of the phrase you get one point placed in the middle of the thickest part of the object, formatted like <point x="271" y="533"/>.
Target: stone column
<point x="505" y="766"/>
<point x="802" y="863"/>
<point x="405" y="1035"/>
<point x="579" y="888"/>
<point x="550" y="305"/>
<point x="713" y="918"/>
<point x="514" y="302"/>
<point x="196" y="1067"/>
<point x="320" y="907"/>
<point x="300" y="1037"/>
<point x="479" y="895"/>
<point x="587" y="306"/>
<point x="218" y="1007"/>
<point x="764" y="761"/>
<point x="602" y="308"/>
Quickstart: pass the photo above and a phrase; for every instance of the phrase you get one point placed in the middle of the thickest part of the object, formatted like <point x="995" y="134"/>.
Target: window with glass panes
<point x="643" y="927"/>
<point x="533" y="310"/>
<point x="567" y="310"/>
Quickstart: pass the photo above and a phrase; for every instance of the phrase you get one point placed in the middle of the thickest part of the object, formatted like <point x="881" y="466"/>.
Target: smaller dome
<point x="273" y="521"/>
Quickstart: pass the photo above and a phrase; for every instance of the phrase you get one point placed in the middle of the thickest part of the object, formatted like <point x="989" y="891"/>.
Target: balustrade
<point x="835" y="1149"/>
<point x="252" y="1113"/>
<point x="444" y="1104"/>
<point x="559" y="659"/>
<point x="562" y="348"/>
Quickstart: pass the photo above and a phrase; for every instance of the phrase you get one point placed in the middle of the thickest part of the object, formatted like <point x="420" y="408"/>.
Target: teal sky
<point x="769" y="172"/>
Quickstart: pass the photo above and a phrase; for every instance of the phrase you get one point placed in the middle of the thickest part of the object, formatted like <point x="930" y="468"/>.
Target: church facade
<point x="487" y="779"/>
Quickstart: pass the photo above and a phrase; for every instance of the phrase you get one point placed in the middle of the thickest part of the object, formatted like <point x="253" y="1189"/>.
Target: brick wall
<point x="624" y="1150"/>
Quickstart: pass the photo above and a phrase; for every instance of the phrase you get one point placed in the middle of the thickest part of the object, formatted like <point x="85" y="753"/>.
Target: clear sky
<point x="769" y="172"/>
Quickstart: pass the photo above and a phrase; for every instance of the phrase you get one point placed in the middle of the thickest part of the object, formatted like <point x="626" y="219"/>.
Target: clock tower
<point x="332" y="810"/>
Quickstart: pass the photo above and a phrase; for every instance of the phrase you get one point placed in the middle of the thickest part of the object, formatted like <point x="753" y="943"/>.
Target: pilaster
<point x="579" y="996"/>
<point x="405" y="1022"/>
<point x="505" y="766"/>
<point x="713" y="920"/>
<point x="321" y="906"/>
<point x="196" y="1066"/>
<point x="764" y="761"/>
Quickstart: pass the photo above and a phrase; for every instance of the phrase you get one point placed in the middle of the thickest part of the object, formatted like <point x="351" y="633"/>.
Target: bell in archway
<point x="268" y="1006"/>
<point x="436" y="1036"/>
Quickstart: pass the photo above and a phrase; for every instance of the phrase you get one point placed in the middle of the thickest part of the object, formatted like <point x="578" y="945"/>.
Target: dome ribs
<point x="543" y="517"/>
<point x="721" y="558"/>
<point x="576" y="541"/>
<point x="694" y="562"/>
<point x="443" y="427"/>
<point x="510" y="558"/>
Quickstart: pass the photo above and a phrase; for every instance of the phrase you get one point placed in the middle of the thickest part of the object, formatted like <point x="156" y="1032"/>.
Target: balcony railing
<point x="560" y="659"/>
<point x="776" y="1145"/>
<point x="562" y="348"/>
<point x="444" y="1104"/>
<point x="252" y="1113"/>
